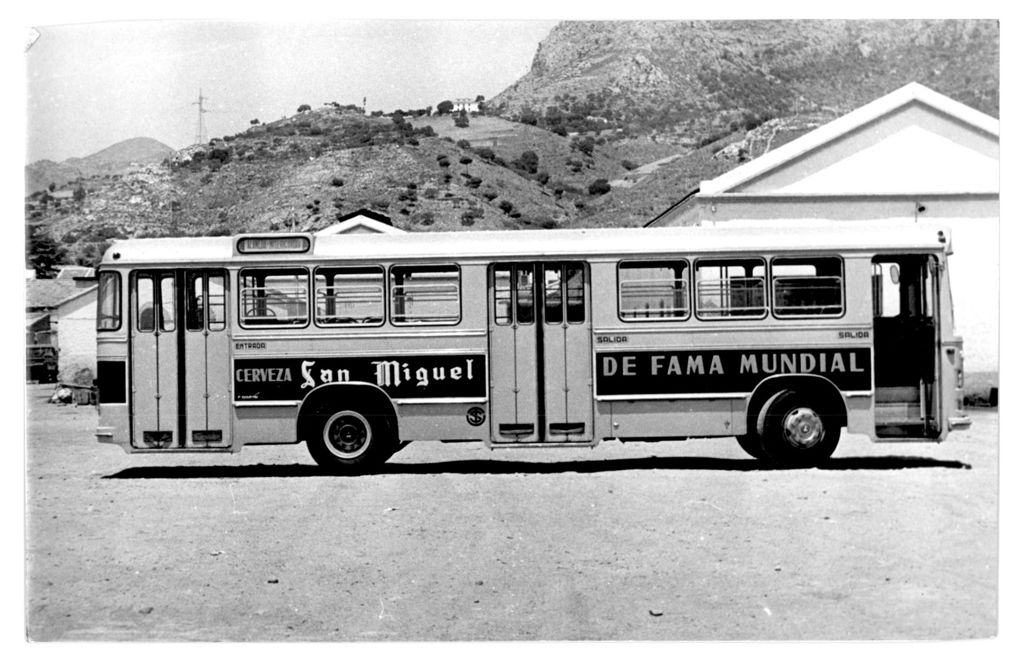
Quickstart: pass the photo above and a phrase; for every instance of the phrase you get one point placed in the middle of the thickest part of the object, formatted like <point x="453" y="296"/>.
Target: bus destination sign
<point x="668" y="372"/>
<point x="402" y="376"/>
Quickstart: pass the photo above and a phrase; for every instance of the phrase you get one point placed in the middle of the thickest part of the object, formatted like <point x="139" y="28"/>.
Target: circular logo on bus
<point x="475" y="416"/>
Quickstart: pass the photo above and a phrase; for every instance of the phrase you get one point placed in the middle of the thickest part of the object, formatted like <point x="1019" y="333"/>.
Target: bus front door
<point x="179" y="359"/>
<point x="154" y="357"/>
<point x="540" y="356"/>
<point x="208" y="385"/>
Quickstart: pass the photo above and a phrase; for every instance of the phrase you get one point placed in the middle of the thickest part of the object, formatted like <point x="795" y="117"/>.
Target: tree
<point x="528" y="161"/>
<point x="44" y="253"/>
<point x="445" y="107"/>
<point x="303" y="108"/>
<point x="462" y="120"/>
<point x="254" y="121"/>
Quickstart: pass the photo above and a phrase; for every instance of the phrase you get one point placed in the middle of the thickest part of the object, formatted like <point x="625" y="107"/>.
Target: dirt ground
<point x="673" y="541"/>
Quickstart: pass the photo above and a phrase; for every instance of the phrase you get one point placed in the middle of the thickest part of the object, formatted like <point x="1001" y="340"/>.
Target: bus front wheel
<point x="348" y="440"/>
<point x="796" y="431"/>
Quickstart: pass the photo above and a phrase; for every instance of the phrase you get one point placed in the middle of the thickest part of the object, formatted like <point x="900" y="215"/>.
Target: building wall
<point x="76" y="335"/>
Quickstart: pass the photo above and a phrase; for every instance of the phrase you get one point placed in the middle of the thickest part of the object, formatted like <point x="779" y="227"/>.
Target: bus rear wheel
<point x="795" y="430"/>
<point x="347" y="440"/>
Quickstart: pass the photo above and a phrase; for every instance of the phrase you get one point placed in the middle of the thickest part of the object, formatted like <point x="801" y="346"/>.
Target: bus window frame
<point x="240" y="275"/>
<point x="629" y="262"/>
<point x="390" y="308"/>
<point x="810" y="316"/>
<point x="385" y="309"/>
<point x="118" y="301"/>
<point x="766" y="306"/>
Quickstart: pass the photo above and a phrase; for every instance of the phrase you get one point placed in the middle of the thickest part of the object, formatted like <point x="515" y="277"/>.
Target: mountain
<point x="115" y="159"/>
<point x="690" y="78"/>
<point x="614" y="123"/>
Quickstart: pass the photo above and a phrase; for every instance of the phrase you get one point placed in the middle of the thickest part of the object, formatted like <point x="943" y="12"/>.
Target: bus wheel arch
<point x="348" y="427"/>
<point x="794" y="420"/>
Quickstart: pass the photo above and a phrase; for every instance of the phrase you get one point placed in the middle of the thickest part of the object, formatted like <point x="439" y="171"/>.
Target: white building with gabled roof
<point x="912" y="155"/>
<point x="361" y="221"/>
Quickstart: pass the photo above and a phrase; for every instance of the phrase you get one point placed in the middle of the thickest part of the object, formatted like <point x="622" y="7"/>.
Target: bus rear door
<point x="907" y="342"/>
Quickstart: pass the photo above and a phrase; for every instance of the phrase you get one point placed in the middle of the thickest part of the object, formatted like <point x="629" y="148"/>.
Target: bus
<point x="356" y="345"/>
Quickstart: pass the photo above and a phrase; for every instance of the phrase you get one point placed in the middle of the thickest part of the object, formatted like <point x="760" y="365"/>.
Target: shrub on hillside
<point x="599" y="187"/>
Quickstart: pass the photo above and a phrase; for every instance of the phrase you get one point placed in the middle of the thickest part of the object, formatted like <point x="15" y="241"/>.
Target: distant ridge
<point x="109" y="161"/>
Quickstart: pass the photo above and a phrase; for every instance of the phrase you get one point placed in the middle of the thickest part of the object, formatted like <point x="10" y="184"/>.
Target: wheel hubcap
<point x="347" y="434"/>
<point x="803" y="428"/>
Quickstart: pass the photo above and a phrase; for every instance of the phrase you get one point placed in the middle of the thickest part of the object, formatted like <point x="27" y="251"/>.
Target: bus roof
<point x="727" y="238"/>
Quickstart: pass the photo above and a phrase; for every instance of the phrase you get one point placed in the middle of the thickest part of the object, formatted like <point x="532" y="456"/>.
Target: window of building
<point x="273" y="296"/>
<point x="730" y="288"/>
<point x="654" y="290"/>
<point x="347" y="296"/>
<point x="807" y="286"/>
<point x="425" y="295"/>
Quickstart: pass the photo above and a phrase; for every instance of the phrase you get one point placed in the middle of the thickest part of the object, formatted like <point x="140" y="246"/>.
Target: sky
<point x="91" y="85"/>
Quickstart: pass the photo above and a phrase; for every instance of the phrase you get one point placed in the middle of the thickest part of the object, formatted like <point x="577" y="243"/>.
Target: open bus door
<point x="180" y="381"/>
<point x="907" y="340"/>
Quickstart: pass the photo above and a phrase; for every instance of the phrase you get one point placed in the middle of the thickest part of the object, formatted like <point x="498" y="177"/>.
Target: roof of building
<point x="910" y="94"/>
<point x="362" y="220"/>
<point x="51" y="293"/>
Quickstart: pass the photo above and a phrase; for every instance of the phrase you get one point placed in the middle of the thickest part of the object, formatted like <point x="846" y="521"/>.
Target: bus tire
<point x="347" y="440"/>
<point x="752" y="445"/>
<point x="796" y="431"/>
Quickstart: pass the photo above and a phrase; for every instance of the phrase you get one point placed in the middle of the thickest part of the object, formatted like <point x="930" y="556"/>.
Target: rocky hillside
<point x="689" y="80"/>
<point x="614" y="123"/>
<point x="116" y="159"/>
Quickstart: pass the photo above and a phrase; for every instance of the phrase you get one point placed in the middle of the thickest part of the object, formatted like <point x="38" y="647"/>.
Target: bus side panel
<point x="442" y="421"/>
<point x="673" y="418"/>
<point x="860" y="415"/>
<point x="264" y="425"/>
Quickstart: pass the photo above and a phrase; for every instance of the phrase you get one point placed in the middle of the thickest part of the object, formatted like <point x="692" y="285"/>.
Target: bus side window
<point x="807" y="287"/>
<point x="730" y="288"/>
<point x="273" y="296"/>
<point x="426" y="295"/>
<point x="654" y="290"/>
<point x="349" y="295"/>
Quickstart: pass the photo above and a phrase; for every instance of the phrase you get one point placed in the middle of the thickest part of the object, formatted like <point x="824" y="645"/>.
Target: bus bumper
<point x="959" y="423"/>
